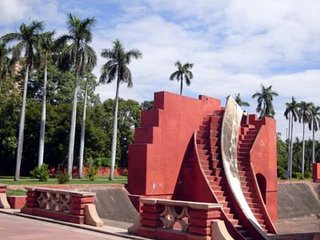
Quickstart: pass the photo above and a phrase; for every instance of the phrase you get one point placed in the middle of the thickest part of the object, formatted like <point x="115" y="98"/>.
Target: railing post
<point x="31" y="201"/>
<point x="78" y="203"/>
<point x="201" y="218"/>
<point x="150" y="219"/>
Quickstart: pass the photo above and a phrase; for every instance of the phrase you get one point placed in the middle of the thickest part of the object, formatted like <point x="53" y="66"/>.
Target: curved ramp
<point x="114" y="204"/>
<point x="229" y="143"/>
<point x="297" y="200"/>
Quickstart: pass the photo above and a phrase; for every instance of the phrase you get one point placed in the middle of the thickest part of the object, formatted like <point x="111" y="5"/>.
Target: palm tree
<point x="304" y="112"/>
<point x="45" y="45"/>
<point x="184" y="71"/>
<point x="116" y="68"/>
<point x="83" y="58"/>
<point x="292" y="114"/>
<point x="27" y="38"/>
<point x="264" y="99"/>
<point x="314" y="125"/>
<point x="90" y="84"/>
<point x="83" y="130"/>
<point x="5" y="62"/>
<point x="240" y="102"/>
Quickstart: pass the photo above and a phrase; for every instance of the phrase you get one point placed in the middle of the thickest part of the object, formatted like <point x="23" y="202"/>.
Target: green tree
<point x="304" y="112"/>
<point x="27" y="38"/>
<point x="281" y="157"/>
<point x="184" y="71"/>
<point x="292" y="114"/>
<point x="45" y="48"/>
<point x="314" y="125"/>
<point x="240" y="102"/>
<point x="128" y="119"/>
<point x="117" y="68"/>
<point x="264" y="99"/>
<point x="5" y="63"/>
<point x="83" y="58"/>
<point x="147" y="105"/>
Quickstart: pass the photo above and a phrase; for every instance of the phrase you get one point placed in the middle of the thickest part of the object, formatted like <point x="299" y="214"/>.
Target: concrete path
<point x="16" y="227"/>
<point x="302" y="228"/>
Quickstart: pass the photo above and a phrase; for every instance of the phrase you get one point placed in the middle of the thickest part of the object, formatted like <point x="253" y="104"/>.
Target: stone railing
<point x="63" y="205"/>
<point x="170" y="219"/>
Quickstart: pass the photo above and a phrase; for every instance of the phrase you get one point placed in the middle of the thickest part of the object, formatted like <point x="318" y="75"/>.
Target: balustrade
<point x="163" y="219"/>
<point x="62" y="205"/>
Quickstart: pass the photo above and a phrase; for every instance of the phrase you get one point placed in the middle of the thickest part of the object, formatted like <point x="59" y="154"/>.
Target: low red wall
<point x="103" y="171"/>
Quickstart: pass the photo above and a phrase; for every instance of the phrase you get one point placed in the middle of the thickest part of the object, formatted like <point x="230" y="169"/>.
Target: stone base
<point x="17" y="202"/>
<point x="3" y="201"/>
<point x="91" y="216"/>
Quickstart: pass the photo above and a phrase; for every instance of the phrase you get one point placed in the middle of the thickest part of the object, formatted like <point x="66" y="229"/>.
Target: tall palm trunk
<point x="21" y="126"/>
<point x="73" y="125"/>
<point x="43" y="116"/>
<point x="83" y="130"/>
<point x="313" y="143"/>
<point x="303" y="148"/>
<point x="181" y="85"/>
<point x="115" y="128"/>
<point x="289" y="147"/>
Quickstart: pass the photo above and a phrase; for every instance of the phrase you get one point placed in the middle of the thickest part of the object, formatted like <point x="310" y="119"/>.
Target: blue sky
<point x="235" y="45"/>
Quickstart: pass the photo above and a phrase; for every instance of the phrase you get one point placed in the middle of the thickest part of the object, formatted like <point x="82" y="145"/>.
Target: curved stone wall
<point x="229" y="142"/>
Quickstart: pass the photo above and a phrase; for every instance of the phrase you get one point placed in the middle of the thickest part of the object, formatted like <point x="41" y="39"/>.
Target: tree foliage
<point x="265" y="99"/>
<point x="183" y="73"/>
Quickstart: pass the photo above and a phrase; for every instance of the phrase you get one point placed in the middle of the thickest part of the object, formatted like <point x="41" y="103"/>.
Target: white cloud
<point x="12" y="11"/>
<point x="17" y="11"/>
<point x="235" y="45"/>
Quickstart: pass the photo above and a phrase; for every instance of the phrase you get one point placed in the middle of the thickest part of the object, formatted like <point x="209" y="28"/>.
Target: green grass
<point x="30" y="181"/>
<point x="11" y="192"/>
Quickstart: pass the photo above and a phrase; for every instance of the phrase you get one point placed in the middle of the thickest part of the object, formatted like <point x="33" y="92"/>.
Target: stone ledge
<point x="194" y="205"/>
<point x="52" y="190"/>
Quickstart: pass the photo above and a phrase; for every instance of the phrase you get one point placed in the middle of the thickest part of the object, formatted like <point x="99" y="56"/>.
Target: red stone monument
<point x="197" y="151"/>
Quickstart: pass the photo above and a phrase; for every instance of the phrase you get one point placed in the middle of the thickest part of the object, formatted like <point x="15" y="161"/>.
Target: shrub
<point x="307" y="174"/>
<point x="92" y="169"/>
<point x="41" y="173"/>
<point x="63" y="177"/>
<point x="103" y="161"/>
<point x="297" y="175"/>
<point x="281" y="172"/>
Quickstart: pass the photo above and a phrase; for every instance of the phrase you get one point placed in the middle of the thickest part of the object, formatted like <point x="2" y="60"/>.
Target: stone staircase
<point x="210" y="159"/>
<point x="247" y="136"/>
<point x="208" y="146"/>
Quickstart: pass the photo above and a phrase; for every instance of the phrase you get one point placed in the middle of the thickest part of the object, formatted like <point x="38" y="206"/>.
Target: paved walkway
<point x="15" y="227"/>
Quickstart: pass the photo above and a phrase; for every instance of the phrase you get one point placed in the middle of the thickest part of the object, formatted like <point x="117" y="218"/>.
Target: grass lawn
<point x="16" y="192"/>
<point x="9" y="180"/>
